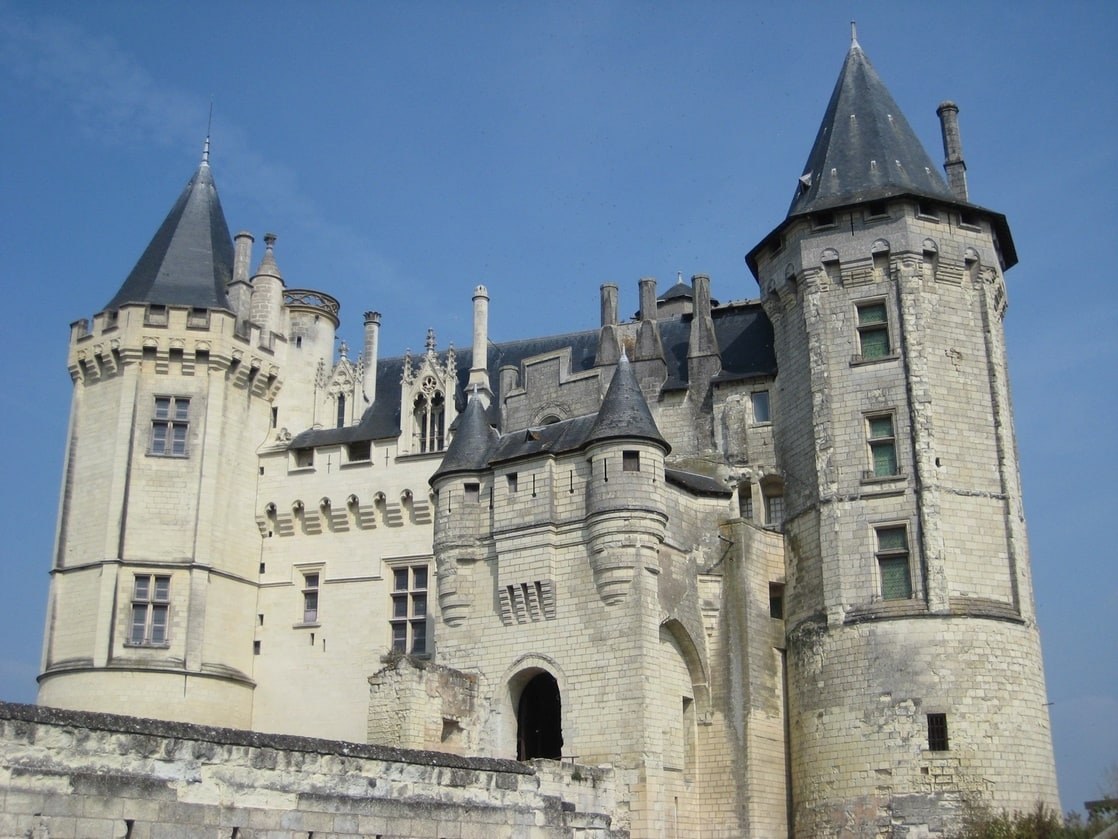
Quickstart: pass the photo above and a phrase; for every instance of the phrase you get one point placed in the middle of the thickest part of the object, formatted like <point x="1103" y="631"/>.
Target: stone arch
<point x="512" y="687"/>
<point x="700" y="683"/>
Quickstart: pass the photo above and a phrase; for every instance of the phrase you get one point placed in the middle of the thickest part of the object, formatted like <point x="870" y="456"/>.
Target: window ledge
<point x="858" y="361"/>
<point x="354" y="464"/>
<point x="293" y="469"/>
<point x="765" y="424"/>
<point x="169" y="456"/>
<point x="144" y="645"/>
<point x="872" y="478"/>
<point x="305" y="625"/>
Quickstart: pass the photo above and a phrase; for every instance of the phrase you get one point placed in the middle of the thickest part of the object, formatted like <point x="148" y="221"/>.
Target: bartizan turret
<point x="914" y="665"/>
<point x="153" y="587"/>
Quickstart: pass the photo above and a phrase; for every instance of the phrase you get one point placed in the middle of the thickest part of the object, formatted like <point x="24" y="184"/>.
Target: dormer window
<point x="429" y="417"/>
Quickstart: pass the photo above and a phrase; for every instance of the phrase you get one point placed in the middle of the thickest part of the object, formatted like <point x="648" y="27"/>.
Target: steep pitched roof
<point x="624" y="412"/>
<point x="469" y="450"/>
<point x="865" y="149"/>
<point x="190" y="258"/>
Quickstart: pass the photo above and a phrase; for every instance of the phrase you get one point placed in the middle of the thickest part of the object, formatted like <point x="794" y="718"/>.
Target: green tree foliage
<point x="1041" y="823"/>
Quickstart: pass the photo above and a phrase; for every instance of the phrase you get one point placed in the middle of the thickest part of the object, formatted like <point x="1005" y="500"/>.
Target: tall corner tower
<point x="915" y="674"/>
<point x="153" y="581"/>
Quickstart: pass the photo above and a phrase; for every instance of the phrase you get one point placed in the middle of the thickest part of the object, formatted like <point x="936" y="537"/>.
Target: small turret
<point x="267" y="292"/>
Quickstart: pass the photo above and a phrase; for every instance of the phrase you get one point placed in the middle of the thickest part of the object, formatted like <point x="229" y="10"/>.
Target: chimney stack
<point x="372" y="338"/>
<point x="479" y="366"/>
<point x="953" y="164"/>
<point x="608" y="349"/>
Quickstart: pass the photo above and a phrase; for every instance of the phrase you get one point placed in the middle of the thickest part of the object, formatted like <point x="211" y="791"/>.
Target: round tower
<point x="914" y="664"/>
<point x="153" y="582"/>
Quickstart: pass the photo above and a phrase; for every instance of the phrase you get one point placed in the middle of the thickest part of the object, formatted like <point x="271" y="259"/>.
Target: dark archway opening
<point x="539" y="729"/>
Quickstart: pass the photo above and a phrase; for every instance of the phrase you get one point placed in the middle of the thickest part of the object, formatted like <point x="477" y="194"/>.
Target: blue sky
<point x="404" y="152"/>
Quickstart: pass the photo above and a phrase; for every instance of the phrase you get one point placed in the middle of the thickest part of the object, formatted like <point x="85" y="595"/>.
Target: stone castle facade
<point x="765" y="559"/>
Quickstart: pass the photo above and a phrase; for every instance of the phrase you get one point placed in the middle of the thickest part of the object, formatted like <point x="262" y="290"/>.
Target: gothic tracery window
<point x="429" y="414"/>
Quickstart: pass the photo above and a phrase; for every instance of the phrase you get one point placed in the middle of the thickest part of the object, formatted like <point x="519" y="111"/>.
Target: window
<point x="409" y="609"/>
<point x="359" y="451"/>
<point x="776" y="600"/>
<point x="513" y="481"/>
<point x="341" y="411"/>
<point x="892" y="563"/>
<point x="303" y="458"/>
<point x="310" y="597"/>
<point x="774" y="510"/>
<point x="745" y="500"/>
<point x="151" y="595"/>
<point x="630" y="461"/>
<point x="883" y="446"/>
<point x="429" y="415"/>
<point x="473" y="492"/>
<point x="873" y="330"/>
<point x="169" y="426"/>
<point x="761" y="406"/>
<point x="937" y="732"/>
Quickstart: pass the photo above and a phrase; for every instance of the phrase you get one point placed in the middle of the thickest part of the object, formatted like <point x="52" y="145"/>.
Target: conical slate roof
<point x="865" y="149"/>
<point x="190" y="258"/>
<point x="469" y="450"/>
<point x="624" y="412"/>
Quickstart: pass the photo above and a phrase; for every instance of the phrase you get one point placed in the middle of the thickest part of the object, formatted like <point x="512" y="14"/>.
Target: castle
<point x="766" y="559"/>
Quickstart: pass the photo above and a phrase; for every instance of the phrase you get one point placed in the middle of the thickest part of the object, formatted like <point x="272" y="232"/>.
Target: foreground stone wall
<point x="68" y="774"/>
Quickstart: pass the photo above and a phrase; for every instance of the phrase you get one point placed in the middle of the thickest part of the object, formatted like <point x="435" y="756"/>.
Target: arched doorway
<point x="539" y="729"/>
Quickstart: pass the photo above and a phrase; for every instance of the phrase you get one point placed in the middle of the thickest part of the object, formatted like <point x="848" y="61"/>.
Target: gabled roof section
<point x="190" y="258"/>
<point x="624" y="413"/>
<point x="865" y="149"/>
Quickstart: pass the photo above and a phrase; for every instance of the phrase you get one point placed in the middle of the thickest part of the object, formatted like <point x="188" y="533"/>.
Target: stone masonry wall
<point x="67" y="774"/>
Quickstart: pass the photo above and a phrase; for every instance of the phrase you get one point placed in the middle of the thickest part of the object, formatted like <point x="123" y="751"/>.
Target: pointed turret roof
<point x="190" y="258"/>
<point x="865" y="149"/>
<point x="469" y="450"/>
<point x="624" y="412"/>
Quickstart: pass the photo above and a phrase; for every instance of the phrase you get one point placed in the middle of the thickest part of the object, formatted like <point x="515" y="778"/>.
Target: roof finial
<point x="854" y="35"/>
<point x="206" y="145"/>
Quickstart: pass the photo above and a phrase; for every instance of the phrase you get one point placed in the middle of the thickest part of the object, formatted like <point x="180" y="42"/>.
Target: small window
<point x="892" y="563"/>
<point x="151" y="595"/>
<point x="513" y="481"/>
<point x="760" y="401"/>
<point x="303" y="458"/>
<point x="926" y="210"/>
<point x="873" y="330"/>
<point x="169" y="426"/>
<point x="310" y="597"/>
<point x="340" y="411"/>
<point x="774" y="510"/>
<point x="937" y="732"/>
<point x="473" y="493"/>
<point x="877" y="209"/>
<point x="630" y="461"/>
<point x="883" y="446"/>
<point x="776" y="600"/>
<point x="359" y="451"/>
<point x="409" y="610"/>
<point x="822" y="221"/>
<point x="745" y="501"/>
<point x="156" y="315"/>
<point x="968" y="219"/>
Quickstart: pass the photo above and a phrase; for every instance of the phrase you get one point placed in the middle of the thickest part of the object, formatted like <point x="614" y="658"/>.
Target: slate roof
<point x="624" y="413"/>
<point x="469" y="450"/>
<point x="745" y="340"/>
<point x="865" y="149"/>
<point x="190" y="259"/>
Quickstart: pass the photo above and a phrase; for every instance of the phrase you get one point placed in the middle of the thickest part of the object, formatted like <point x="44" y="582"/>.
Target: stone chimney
<point x="372" y="337"/>
<point x="240" y="288"/>
<point x="649" y="364"/>
<point x="703" y="359"/>
<point x="479" y="366"/>
<point x="608" y="348"/>
<point x="953" y="164"/>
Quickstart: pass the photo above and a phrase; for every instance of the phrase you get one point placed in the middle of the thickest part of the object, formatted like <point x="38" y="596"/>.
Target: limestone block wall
<point x="71" y="775"/>
<point x="351" y="524"/>
<point x="861" y="756"/>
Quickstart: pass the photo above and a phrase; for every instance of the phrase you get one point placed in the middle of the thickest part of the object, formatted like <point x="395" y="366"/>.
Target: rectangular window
<point x="774" y="510"/>
<point x="473" y="492"/>
<point x="409" y="609"/>
<point x="151" y="596"/>
<point x="512" y="481"/>
<point x="745" y="501"/>
<point x="169" y="425"/>
<point x="310" y="597"/>
<point x="892" y="563"/>
<point x="303" y="458"/>
<point x="630" y="461"/>
<point x="359" y="451"/>
<point x="937" y="732"/>
<point x="776" y="600"/>
<point x="873" y="330"/>
<point x="760" y="401"/>
<point x="883" y="445"/>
